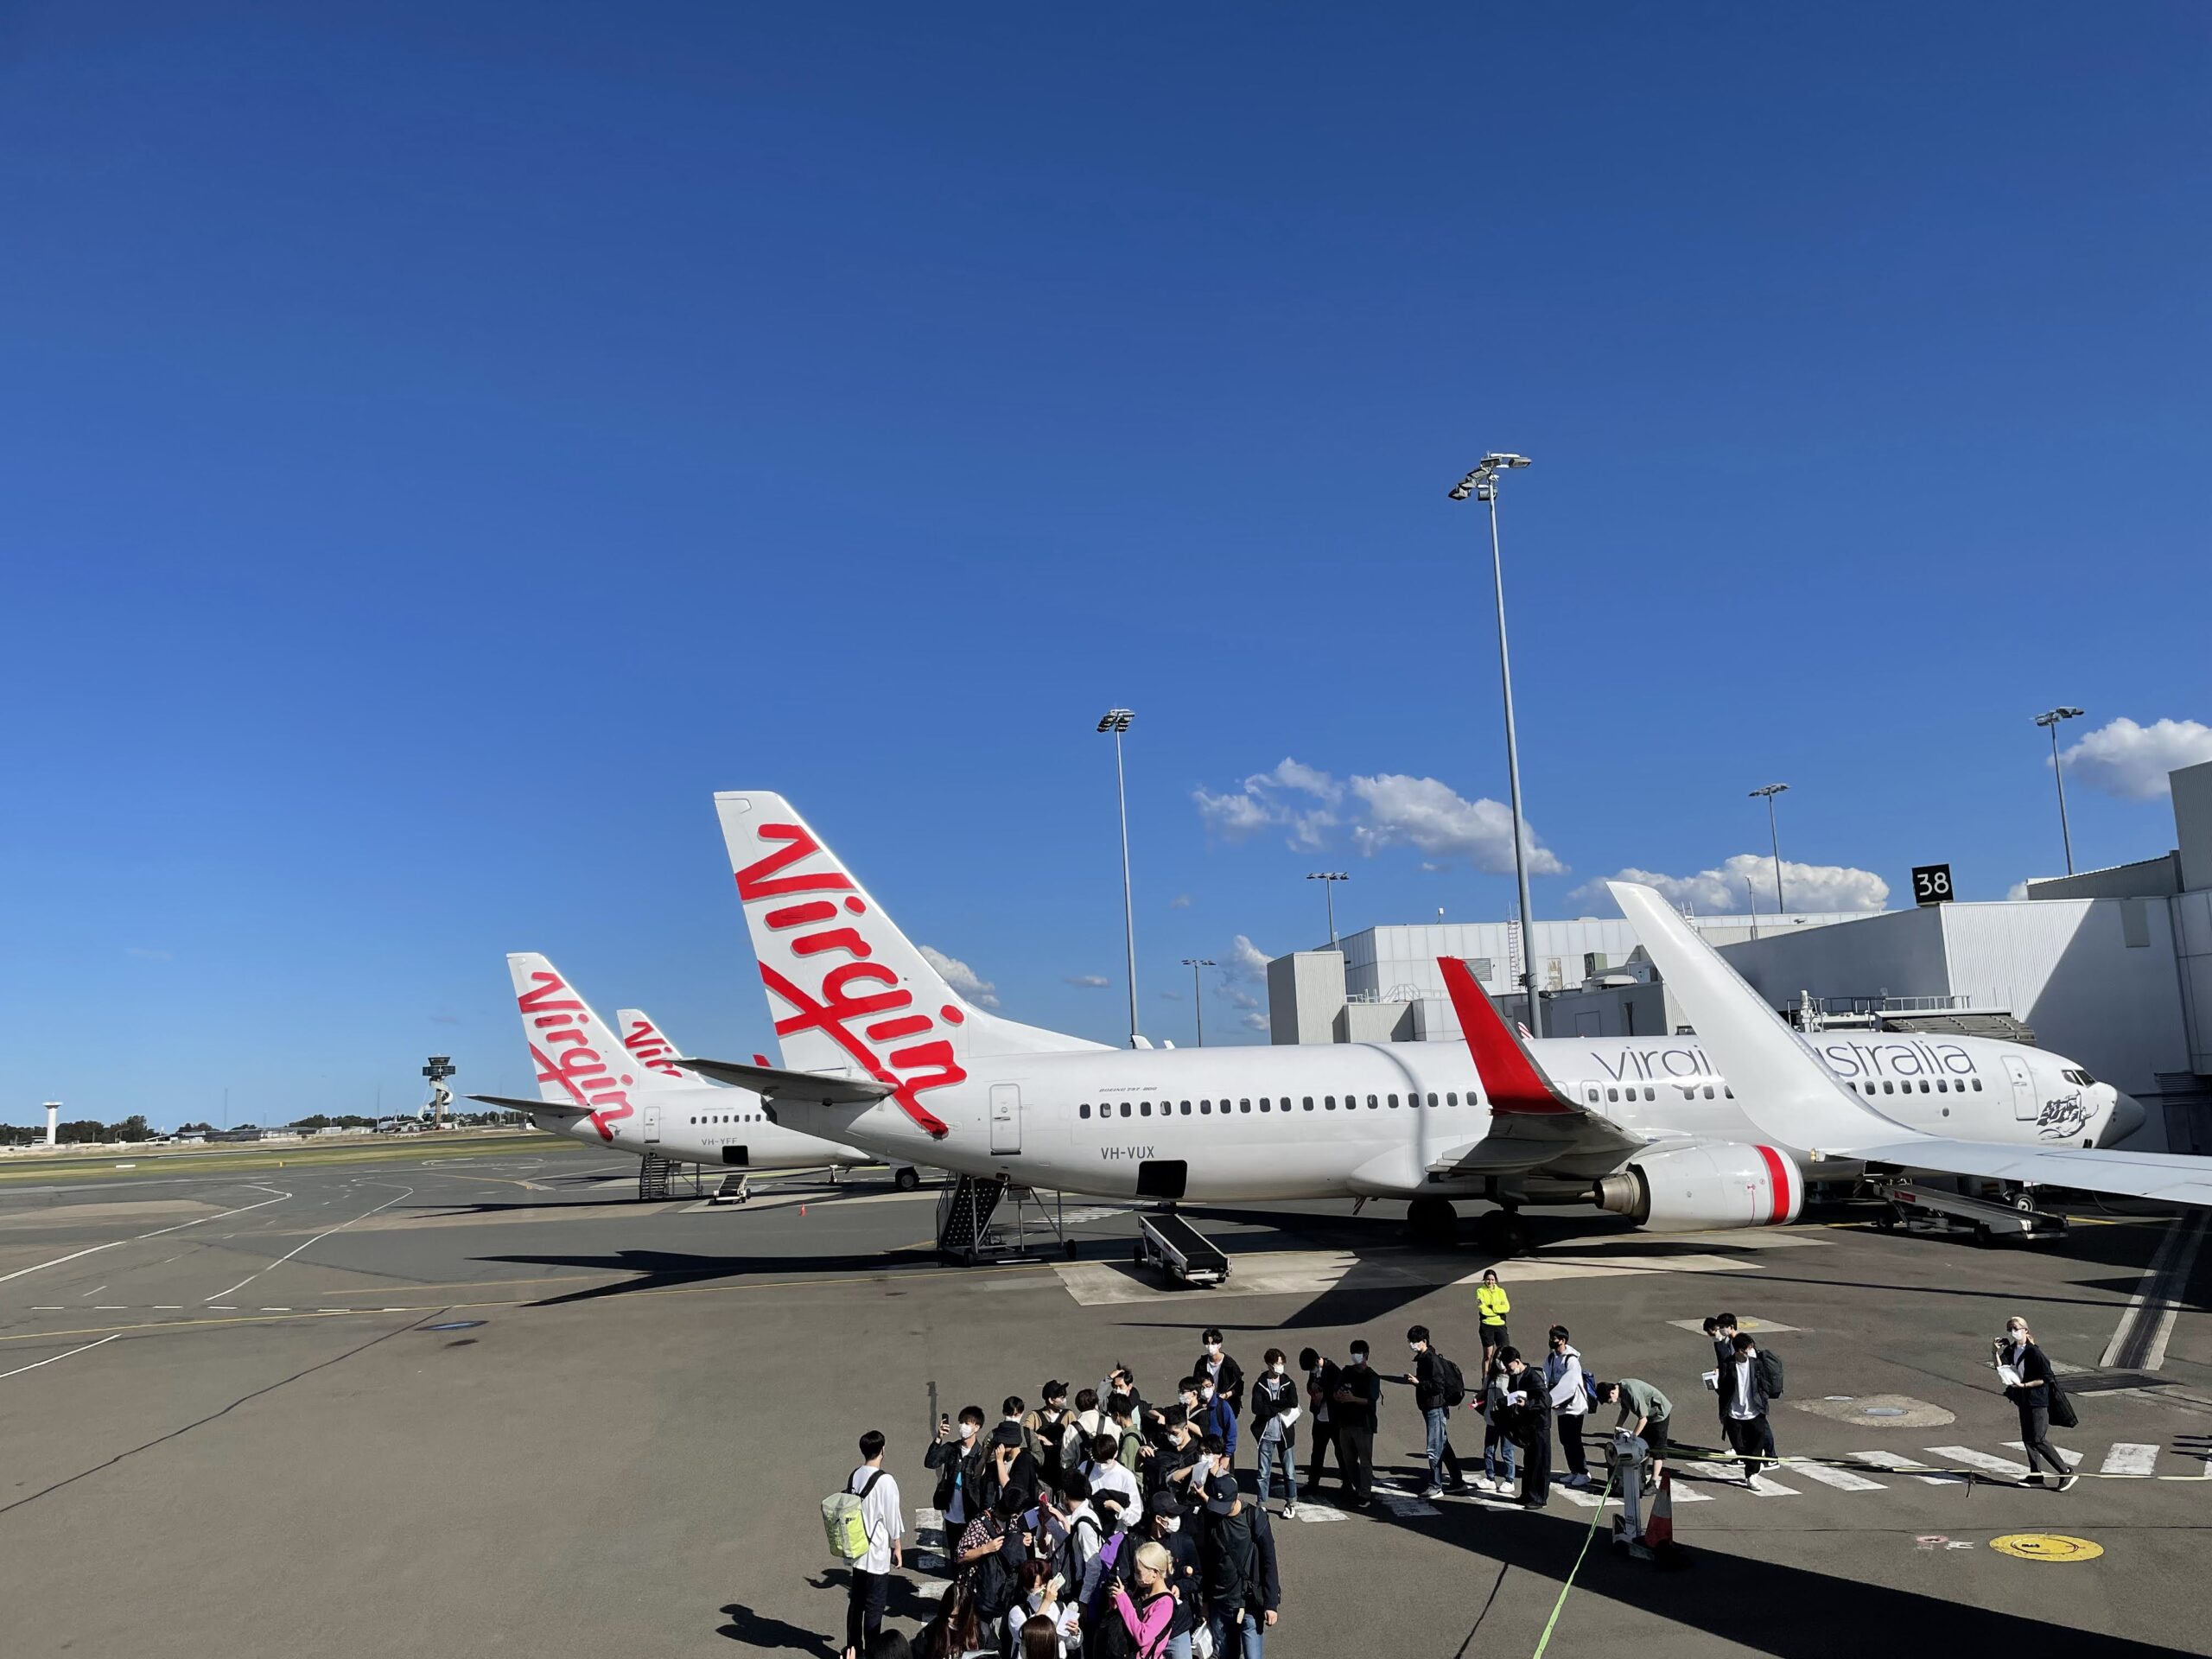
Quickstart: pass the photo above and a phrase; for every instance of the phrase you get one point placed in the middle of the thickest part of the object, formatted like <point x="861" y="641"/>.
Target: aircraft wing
<point x="772" y="1082"/>
<point x="536" y="1107"/>
<point x="1794" y="1100"/>
<point x="1533" y="1124"/>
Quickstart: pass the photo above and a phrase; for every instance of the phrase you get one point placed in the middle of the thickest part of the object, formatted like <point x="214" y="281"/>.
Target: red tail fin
<point x="1510" y="1077"/>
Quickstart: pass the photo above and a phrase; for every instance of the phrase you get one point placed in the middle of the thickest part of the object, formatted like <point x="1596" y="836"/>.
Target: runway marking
<point x="1842" y="1479"/>
<point x="317" y="1239"/>
<point x="1982" y="1461"/>
<point x="20" y="1370"/>
<point x="95" y="1249"/>
<point x="2139" y="1342"/>
<point x="1891" y="1460"/>
<point x="2129" y="1459"/>
<point x="94" y="1291"/>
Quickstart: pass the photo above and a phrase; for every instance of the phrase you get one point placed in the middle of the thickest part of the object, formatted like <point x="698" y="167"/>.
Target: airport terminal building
<point x="2111" y="968"/>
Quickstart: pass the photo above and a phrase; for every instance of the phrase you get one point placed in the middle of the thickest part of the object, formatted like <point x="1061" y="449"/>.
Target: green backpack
<point x="845" y="1521"/>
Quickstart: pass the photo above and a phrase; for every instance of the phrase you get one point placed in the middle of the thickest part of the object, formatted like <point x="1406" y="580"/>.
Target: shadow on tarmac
<point x="755" y="1630"/>
<point x="659" y="1269"/>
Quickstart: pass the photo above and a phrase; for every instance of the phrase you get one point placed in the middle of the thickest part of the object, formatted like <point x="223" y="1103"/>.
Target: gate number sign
<point x="1931" y="884"/>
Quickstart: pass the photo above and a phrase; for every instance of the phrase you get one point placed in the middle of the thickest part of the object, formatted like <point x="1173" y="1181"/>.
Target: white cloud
<point x="2131" y="761"/>
<point x="1245" y="962"/>
<point x="1430" y="815"/>
<point x="1258" y="804"/>
<point x="962" y="978"/>
<point x="1256" y="1022"/>
<point x="1180" y="901"/>
<point x="2016" y="891"/>
<point x="1722" y="891"/>
<point x="1424" y="813"/>
<point x="1089" y="982"/>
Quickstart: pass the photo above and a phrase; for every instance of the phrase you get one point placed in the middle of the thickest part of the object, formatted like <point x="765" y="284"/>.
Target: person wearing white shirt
<point x="881" y="1518"/>
<point x="1107" y="1475"/>
<point x="1043" y="1595"/>
<point x="1563" y="1380"/>
<point x="1745" y="1385"/>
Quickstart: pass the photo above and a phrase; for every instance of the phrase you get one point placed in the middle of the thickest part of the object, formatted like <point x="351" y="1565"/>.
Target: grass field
<point x="198" y="1161"/>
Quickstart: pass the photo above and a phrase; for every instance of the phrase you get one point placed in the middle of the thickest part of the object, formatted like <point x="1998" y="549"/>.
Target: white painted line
<point x="48" y="1307"/>
<point x="168" y="1307"/>
<point x="95" y="1249"/>
<point x="1319" y="1512"/>
<point x="1842" y="1479"/>
<point x="223" y="1308"/>
<point x="1981" y="1460"/>
<point x="2130" y="1459"/>
<point x="1688" y="1494"/>
<point x="1763" y="1487"/>
<point x="2158" y="1296"/>
<point x="109" y="1307"/>
<point x="1891" y="1460"/>
<point x="2069" y="1458"/>
<point x="94" y="1291"/>
<point x="317" y="1239"/>
<point x="20" y="1370"/>
<point x="276" y="1310"/>
<point x="1587" y="1500"/>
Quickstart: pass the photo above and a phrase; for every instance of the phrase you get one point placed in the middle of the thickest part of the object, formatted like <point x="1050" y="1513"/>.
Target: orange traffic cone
<point x="1659" y="1529"/>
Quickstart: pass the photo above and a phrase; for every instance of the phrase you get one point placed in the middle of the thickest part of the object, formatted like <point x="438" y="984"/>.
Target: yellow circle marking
<point x="2046" y="1547"/>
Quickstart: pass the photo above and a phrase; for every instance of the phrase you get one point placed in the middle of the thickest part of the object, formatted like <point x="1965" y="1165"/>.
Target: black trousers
<point x="1753" y="1440"/>
<point x="1570" y="1442"/>
<point x="1536" y="1472"/>
<point x="1356" y="1452"/>
<point x="1324" y="1437"/>
<point x="864" y="1611"/>
<point x="2035" y="1435"/>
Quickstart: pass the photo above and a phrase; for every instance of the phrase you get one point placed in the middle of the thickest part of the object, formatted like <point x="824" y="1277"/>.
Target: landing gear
<point x="1502" y="1232"/>
<point x="1432" y="1221"/>
<point x="906" y="1177"/>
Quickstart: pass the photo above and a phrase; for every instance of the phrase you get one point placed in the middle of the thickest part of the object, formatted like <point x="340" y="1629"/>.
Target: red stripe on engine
<point x="1777" y="1175"/>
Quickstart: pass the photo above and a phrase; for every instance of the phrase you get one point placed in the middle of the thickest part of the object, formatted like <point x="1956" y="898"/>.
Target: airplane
<point x="878" y="1049"/>
<point x="653" y="1108"/>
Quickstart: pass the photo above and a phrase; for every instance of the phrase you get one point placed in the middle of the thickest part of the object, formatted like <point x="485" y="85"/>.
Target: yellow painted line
<point x="450" y="1308"/>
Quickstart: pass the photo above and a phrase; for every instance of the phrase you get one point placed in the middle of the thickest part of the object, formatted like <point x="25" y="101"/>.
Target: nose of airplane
<point x="2127" y="1115"/>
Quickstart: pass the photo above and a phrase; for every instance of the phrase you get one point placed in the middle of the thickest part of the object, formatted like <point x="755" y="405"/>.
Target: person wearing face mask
<point x="1164" y="1527"/>
<point x="952" y="1454"/>
<point x="1529" y="1422"/>
<point x="1228" y="1375"/>
<point x="2036" y="1395"/>
<point x="1357" y="1409"/>
<point x="1052" y="1426"/>
<point x="1438" y="1389"/>
<point x="1216" y="1414"/>
<point x="1563" y="1379"/>
<point x="1323" y="1377"/>
<point x="1106" y="1473"/>
<point x="1044" y="1595"/>
<point x="1274" y="1426"/>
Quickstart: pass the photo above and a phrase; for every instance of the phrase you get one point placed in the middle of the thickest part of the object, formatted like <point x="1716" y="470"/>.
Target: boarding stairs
<point x="665" y="1178"/>
<point x="1165" y="1240"/>
<point x="995" y="1220"/>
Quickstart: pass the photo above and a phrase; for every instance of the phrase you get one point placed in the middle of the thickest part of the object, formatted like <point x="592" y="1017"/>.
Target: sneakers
<point x="1290" y="1511"/>
<point x="2035" y="1479"/>
<point x="2067" y="1485"/>
<point x="1431" y="1491"/>
<point x="1577" y="1483"/>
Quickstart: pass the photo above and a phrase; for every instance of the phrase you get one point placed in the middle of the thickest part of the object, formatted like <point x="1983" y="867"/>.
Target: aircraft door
<point x="1006" y="1117"/>
<point x="2025" y="1105"/>
<point x="653" y="1124"/>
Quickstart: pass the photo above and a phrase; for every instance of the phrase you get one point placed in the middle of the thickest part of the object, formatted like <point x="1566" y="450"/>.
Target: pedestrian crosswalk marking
<point x="1765" y="1488"/>
<point x="2071" y="1458"/>
<point x="2130" y="1459"/>
<point x="1842" y="1479"/>
<point x="1891" y="1460"/>
<point x="1982" y="1461"/>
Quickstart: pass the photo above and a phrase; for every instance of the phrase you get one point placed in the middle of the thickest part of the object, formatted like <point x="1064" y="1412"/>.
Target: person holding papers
<point x="2030" y="1385"/>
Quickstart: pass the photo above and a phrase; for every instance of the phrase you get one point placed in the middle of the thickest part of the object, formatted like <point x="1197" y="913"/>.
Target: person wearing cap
<point x="1228" y="1375"/>
<point x="1009" y="1475"/>
<point x="1225" y="1551"/>
<point x="1164" y="1526"/>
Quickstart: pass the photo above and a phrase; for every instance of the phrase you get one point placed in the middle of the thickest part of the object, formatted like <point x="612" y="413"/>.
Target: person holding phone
<point x="2033" y="1390"/>
<point x="1044" y="1595"/>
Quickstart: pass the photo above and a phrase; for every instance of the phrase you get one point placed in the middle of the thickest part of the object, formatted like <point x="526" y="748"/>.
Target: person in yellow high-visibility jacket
<point x="1492" y="1303"/>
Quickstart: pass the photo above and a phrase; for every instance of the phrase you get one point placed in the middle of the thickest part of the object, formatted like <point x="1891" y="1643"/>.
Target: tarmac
<point x="483" y="1401"/>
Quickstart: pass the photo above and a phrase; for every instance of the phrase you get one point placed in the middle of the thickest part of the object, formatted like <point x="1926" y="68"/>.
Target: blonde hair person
<point x="2035" y="1394"/>
<point x="1149" y="1616"/>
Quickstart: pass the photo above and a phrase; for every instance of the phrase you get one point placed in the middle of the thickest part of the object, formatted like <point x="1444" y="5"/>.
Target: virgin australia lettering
<point x="868" y="1027"/>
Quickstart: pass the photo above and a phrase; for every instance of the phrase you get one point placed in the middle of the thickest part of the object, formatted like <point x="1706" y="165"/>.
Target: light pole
<point x="1770" y="791"/>
<point x="1482" y="484"/>
<point x="1328" y="878"/>
<point x="2051" y="718"/>
<point x="1198" y="995"/>
<point x="1116" y="720"/>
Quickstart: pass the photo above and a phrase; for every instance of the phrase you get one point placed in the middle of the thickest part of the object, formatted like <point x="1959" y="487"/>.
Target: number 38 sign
<point x="1931" y="884"/>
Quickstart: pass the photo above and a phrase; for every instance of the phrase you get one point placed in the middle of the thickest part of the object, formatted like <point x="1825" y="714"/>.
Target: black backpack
<point x="1450" y="1384"/>
<point x="1770" y="1372"/>
<point x="996" y="1580"/>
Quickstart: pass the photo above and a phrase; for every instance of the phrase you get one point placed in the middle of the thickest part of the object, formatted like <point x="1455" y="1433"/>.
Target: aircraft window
<point x="1889" y="1088"/>
<point x="1186" y="1108"/>
<point x="2086" y="1080"/>
<point x="1083" y="1111"/>
<point x="1309" y="1103"/>
<point x="1128" y="1110"/>
<point x="1264" y="1104"/>
<point x="1709" y="1091"/>
<point x="1431" y="1100"/>
<point x="1394" y="1102"/>
<point x="1923" y="1086"/>
<point x="1728" y="1092"/>
<point x="1373" y="1104"/>
<point x="1977" y="1085"/>
<point x="1612" y="1094"/>
<point x="1243" y="1105"/>
<point x="1329" y="1102"/>
<point x="1650" y="1093"/>
<point x="1144" y="1109"/>
<point x="1205" y="1109"/>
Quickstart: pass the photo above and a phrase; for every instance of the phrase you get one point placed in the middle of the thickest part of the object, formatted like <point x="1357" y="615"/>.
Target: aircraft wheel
<point x="1502" y="1232"/>
<point x="906" y="1179"/>
<point x="1434" y="1221"/>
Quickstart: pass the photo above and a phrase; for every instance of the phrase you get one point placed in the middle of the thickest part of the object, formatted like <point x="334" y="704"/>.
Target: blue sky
<point x="440" y="448"/>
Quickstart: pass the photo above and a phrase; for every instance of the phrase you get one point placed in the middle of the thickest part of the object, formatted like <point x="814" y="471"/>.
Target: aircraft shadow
<point x="661" y="1269"/>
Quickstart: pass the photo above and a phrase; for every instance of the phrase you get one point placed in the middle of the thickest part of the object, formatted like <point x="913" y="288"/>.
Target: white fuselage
<point x="724" y="1127"/>
<point x="1323" y="1120"/>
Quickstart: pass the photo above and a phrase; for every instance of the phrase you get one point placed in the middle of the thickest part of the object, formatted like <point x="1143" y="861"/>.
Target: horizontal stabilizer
<point x="771" y="1083"/>
<point x="537" y="1108"/>
<point x="2161" y="1176"/>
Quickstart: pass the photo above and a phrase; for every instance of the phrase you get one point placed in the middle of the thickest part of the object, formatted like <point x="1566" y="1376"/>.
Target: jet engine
<point x="1697" y="1187"/>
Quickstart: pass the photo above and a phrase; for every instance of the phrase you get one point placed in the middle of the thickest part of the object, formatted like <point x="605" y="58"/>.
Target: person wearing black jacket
<point x="1263" y="1599"/>
<point x="1225" y="1555"/>
<point x="1528" y="1426"/>
<point x="959" y="1466"/>
<point x="1746" y="1382"/>
<point x="1435" y="1406"/>
<point x="1322" y="1380"/>
<point x="1356" y="1412"/>
<point x="1228" y="1375"/>
<point x="2033" y="1397"/>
